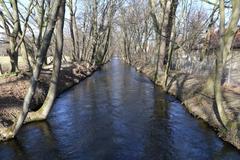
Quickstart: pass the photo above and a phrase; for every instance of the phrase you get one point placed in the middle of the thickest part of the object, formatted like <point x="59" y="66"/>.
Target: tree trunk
<point x="1" y="71"/>
<point x="170" y="42"/>
<point x="24" y="54"/>
<point x="94" y="31"/>
<point x="164" y="36"/>
<point x="225" y="47"/>
<point x="12" y="34"/>
<point x="109" y="31"/>
<point x="74" y="32"/>
<point x="219" y="69"/>
<point x="41" y="55"/>
<point x="13" y="38"/>
<point x="43" y="112"/>
<point x="13" y="60"/>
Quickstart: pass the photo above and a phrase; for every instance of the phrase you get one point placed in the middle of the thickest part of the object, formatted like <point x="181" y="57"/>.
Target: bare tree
<point x="74" y="30"/>
<point x="13" y="30"/>
<point x="41" y="54"/>
<point x="163" y="28"/>
<point x="43" y="111"/>
<point x="226" y="39"/>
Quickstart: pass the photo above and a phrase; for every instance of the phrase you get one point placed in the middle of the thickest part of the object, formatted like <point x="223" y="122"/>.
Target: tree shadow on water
<point x="179" y="80"/>
<point x="23" y="147"/>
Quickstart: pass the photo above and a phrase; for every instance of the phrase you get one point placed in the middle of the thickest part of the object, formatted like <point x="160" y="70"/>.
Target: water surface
<point x="117" y="114"/>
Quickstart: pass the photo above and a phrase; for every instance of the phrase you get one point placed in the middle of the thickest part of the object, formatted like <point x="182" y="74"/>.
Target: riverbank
<point x="196" y="94"/>
<point x="14" y="87"/>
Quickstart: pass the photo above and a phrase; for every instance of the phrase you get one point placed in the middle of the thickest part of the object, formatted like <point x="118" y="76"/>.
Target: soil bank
<point x="13" y="89"/>
<point x="196" y="93"/>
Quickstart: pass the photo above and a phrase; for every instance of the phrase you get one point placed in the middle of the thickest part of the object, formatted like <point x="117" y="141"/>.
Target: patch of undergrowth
<point x="8" y="74"/>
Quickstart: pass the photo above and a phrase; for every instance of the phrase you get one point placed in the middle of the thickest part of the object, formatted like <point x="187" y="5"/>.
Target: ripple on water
<point x="120" y="115"/>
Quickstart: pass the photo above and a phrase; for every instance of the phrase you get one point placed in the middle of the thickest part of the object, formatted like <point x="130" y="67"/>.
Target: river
<point x="117" y="114"/>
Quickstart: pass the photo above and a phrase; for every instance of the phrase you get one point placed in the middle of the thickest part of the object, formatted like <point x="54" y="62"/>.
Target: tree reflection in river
<point x="117" y="114"/>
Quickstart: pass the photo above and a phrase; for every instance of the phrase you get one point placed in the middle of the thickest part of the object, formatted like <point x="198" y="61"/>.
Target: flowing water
<point x="117" y="114"/>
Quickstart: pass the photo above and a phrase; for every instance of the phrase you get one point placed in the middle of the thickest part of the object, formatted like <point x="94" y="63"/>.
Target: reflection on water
<point x="117" y="114"/>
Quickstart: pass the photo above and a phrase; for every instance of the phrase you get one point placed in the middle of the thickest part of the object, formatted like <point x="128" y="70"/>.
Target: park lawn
<point x="5" y="63"/>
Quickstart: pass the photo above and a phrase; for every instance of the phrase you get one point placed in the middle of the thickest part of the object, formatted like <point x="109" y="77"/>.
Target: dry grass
<point x="5" y="63"/>
<point x="190" y="89"/>
<point x="233" y="88"/>
<point x="14" y="88"/>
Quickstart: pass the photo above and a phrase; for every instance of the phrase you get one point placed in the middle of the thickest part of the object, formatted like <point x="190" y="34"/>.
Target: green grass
<point x="6" y="74"/>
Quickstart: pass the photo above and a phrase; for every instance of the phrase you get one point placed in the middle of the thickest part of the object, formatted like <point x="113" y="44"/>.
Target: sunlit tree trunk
<point x="41" y="54"/>
<point x="94" y="31"/>
<point x="170" y="52"/>
<point x="84" y="44"/>
<point x="165" y="35"/>
<point x="226" y="39"/>
<point x="12" y="26"/>
<point x="12" y="34"/>
<point x="25" y="56"/>
<point x="170" y="44"/>
<point x="74" y="31"/>
<point x="109" y="32"/>
<point x="43" y="112"/>
<point x="163" y="28"/>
